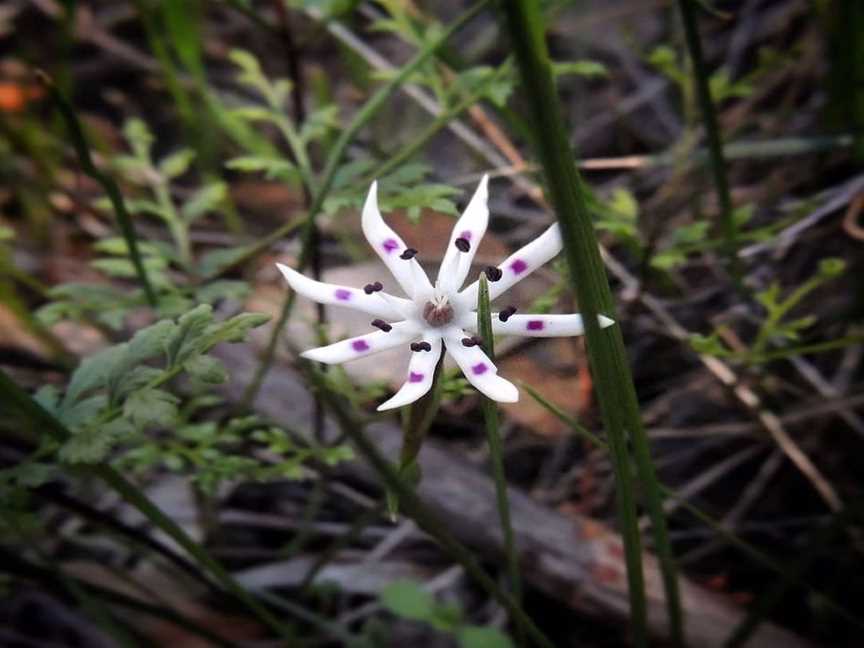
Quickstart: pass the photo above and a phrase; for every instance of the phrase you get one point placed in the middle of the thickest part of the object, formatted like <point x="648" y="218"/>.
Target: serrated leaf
<point x="92" y="445"/>
<point x="206" y="369"/>
<point x="48" y="396"/>
<point x="192" y="327"/>
<point x="93" y="372"/>
<point x="408" y="600"/>
<point x="234" y="329"/>
<point x="135" y="379"/>
<point x="151" y="341"/>
<point x="151" y="407"/>
<point x="177" y="163"/>
<point x="319" y="122"/>
<point x="84" y="412"/>
<point x="206" y="199"/>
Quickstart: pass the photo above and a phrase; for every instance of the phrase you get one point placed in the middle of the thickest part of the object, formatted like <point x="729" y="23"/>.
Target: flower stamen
<point x="409" y="253"/>
<point x="421" y="346"/>
<point x="381" y="324"/>
<point x="505" y="314"/>
<point x="493" y="273"/>
<point x="462" y="244"/>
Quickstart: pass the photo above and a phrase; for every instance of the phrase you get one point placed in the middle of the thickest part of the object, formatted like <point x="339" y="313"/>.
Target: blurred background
<point x="224" y="136"/>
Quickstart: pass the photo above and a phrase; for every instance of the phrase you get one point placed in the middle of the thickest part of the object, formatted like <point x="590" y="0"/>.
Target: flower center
<point x="438" y="311"/>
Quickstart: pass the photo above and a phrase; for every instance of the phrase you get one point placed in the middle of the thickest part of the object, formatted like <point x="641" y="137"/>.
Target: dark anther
<point x="373" y="287"/>
<point x="505" y="314"/>
<point x="463" y="244"/>
<point x="377" y="286"/>
<point x="493" y="273"/>
<point x="472" y="341"/>
<point x="421" y="346"/>
<point x="381" y="324"/>
<point x="409" y="253"/>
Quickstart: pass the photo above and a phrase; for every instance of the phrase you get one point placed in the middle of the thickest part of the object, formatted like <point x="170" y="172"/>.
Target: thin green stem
<point x="496" y="452"/>
<point x="613" y="381"/>
<point x="413" y="507"/>
<point x="715" y="142"/>
<point x="82" y="148"/>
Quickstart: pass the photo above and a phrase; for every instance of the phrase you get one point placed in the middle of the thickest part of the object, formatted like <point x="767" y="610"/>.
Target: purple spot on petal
<point x="342" y="294"/>
<point x="518" y="266"/>
<point x="466" y="235"/>
<point x="479" y="369"/>
<point x="389" y="245"/>
<point x="415" y="377"/>
<point x="534" y="325"/>
<point x="360" y="345"/>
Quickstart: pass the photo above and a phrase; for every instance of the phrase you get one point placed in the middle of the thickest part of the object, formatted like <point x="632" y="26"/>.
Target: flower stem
<point x="613" y="381"/>
<point x="493" y="437"/>
<point x="715" y="143"/>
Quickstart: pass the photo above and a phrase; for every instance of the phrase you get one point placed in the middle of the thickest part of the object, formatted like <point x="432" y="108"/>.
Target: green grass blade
<point x="613" y="381"/>
<point x="715" y="143"/>
<point x="82" y="148"/>
<point x="493" y="437"/>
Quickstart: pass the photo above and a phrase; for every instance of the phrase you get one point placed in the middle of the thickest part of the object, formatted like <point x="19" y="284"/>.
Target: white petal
<point x="378" y="304"/>
<point x="421" y="371"/>
<point x="389" y="246"/>
<point x="364" y="345"/>
<point x="519" y="265"/>
<point x="537" y="325"/>
<point x="478" y="368"/>
<point x="470" y="226"/>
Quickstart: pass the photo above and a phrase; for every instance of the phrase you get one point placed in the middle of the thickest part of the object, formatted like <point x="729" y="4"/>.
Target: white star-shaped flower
<point x="442" y="315"/>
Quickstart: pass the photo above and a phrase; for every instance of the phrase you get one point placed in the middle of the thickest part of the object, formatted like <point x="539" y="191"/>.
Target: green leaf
<point x="151" y="407"/>
<point x="235" y="329"/>
<point x="273" y="168"/>
<point x="832" y="267"/>
<point x="117" y="246"/>
<point x="48" y="396"/>
<point x="319" y="123"/>
<point x="139" y="137"/>
<point x="206" y="369"/>
<point x="585" y="68"/>
<point x="84" y="412"/>
<point x="135" y="379"/>
<point x="206" y="199"/>
<point x="408" y="600"/>
<point x="151" y="341"/>
<point x="480" y="637"/>
<point x="93" y="372"/>
<point x="92" y="445"/>
<point x="192" y="326"/>
<point x="177" y="163"/>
